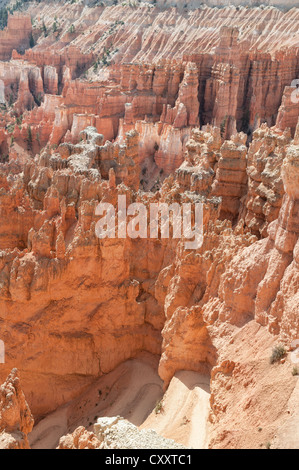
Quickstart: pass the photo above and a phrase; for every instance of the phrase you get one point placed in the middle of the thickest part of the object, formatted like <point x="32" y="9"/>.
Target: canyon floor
<point x="147" y="341"/>
<point x="132" y="391"/>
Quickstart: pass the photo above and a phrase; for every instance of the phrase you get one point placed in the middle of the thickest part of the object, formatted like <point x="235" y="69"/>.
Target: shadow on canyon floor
<point x="133" y="391"/>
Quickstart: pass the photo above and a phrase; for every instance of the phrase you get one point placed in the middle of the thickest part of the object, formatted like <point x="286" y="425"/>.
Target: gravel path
<point x="118" y="433"/>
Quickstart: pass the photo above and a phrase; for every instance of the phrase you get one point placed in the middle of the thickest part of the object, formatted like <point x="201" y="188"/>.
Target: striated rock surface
<point x="120" y="71"/>
<point x="265" y="187"/>
<point x="15" y="36"/>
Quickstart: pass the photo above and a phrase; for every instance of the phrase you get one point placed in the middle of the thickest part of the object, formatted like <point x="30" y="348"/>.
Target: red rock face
<point x="16" y="420"/>
<point x="15" y="36"/>
<point x="159" y="106"/>
<point x="228" y="82"/>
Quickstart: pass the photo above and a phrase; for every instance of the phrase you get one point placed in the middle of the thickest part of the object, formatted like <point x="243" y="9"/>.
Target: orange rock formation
<point x="159" y="105"/>
<point x="16" y="421"/>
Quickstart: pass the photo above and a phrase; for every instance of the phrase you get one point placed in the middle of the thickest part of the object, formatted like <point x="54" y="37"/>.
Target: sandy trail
<point x="185" y="409"/>
<point x="287" y="436"/>
<point x="132" y="391"/>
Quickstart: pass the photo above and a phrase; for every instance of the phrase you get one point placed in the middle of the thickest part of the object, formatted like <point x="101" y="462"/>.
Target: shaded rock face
<point x="16" y="420"/>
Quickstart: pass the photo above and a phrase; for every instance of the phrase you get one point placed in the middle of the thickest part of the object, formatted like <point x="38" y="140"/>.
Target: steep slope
<point x="158" y="106"/>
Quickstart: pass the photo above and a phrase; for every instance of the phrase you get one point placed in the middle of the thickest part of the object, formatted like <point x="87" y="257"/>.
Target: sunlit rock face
<point x="160" y="105"/>
<point x="16" y="420"/>
<point x="124" y="68"/>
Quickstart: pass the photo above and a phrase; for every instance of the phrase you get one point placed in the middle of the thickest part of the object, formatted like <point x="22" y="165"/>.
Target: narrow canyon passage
<point x="134" y="391"/>
<point x="185" y="410"/>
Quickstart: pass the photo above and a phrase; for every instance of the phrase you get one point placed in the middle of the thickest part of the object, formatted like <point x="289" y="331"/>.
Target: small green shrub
<point x="31" y="41"/>
<point x="158" y="407"/>
<point x="277" y="353"/>
<point x="44" y="28"/>
<point x="223" y="126"/>
<point x="29" y="138"/>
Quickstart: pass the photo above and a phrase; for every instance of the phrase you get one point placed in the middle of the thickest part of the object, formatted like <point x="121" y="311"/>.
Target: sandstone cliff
<point x="15" y="36"/>
<point x="157" y="105"/>
<point x="187" y="77"/>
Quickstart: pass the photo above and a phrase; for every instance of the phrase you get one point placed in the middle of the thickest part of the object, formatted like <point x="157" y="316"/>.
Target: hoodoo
<point x="126" y="130"/>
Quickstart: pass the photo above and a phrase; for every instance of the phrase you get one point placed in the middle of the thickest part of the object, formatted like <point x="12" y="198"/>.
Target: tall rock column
<point x="231" y="178"/>
<point x="16" y="420"/>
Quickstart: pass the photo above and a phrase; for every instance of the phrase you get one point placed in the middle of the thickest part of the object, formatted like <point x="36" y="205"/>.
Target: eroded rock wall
<point x="195" y="114"/>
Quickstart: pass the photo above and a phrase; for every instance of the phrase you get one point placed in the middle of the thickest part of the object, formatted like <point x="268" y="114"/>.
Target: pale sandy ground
<point x="185" y="409"/>
<point x="132" y="391"/>
<point x="288" y="434"/>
